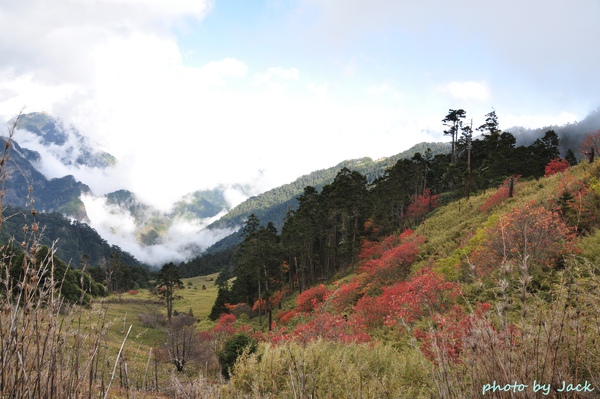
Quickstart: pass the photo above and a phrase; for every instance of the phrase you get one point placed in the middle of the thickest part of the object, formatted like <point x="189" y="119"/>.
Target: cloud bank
<point x="182" y="240"/>
<point x="192" y="94"/>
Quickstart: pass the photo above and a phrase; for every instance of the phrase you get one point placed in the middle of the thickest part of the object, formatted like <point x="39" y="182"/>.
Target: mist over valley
<point x="71" y="175"/>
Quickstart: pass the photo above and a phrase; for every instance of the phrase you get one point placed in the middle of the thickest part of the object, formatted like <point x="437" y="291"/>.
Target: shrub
<point x="153" y="320"/>
<point x="556" y="165"/>
<point x="345" y="296"/>
<point x="422" y="205"/>
<point x="528" y="235"/>
<point x="396" y="254"/>
<point x="328" y="369"/>
<point x="500" y="195"/>
<point x="284" y="316"/>
<point x="234" y="347"/>
<point x="556" y="342"/>
<point x="309" y="300"/>
<point x="407" y="301"/>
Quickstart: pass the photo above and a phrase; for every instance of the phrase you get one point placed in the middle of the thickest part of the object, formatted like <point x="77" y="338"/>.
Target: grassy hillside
<point x="463" y="317"/>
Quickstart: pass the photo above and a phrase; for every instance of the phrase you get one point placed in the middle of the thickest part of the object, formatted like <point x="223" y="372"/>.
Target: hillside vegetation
<point x="496" y="290"/>
<point x="431" y="281"/>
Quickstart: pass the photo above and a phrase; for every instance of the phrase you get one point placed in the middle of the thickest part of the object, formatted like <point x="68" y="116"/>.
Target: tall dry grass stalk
<point x="551" y="343"/>
<point x="326" y="369"/>
<point x="48" y="347"/>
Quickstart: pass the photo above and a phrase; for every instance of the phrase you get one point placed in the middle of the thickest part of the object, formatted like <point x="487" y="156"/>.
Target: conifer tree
<point x="167" y="281"/>
<point x="454" y="123"/>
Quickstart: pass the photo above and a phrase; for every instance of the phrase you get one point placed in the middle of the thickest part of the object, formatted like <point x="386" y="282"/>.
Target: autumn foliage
<point x="590" y="146"/>
<point x="501" y="194"/>
<point x="424" y="294"/>
<point x="528" y="235"/>
<point x="309" y="300"/>
<point x="557" y="165"/>
<point x="389" y="260"/>
<point x="422" y="205"/>
<point x="452" y="332"/>
<point x="345" y="296"/>
<point x="332" y="327"/>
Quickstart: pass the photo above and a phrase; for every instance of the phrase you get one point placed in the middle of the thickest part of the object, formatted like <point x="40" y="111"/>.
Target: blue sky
<point x="194" y="93"/>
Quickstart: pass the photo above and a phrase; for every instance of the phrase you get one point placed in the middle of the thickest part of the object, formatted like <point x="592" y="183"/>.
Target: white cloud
<point x="468" y="91"/>
<point x="277" y="79"/>
<point x="277" y="73"/>
<point x="231" y="113"/>
<point x="183" y="239"/>
<point x="537" y="121"/>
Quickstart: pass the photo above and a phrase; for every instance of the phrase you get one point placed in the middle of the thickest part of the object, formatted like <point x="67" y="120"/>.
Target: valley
<point x="384" y="278"/>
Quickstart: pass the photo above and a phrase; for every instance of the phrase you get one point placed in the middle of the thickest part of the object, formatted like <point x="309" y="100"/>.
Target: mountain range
<point x="199" y="219"/>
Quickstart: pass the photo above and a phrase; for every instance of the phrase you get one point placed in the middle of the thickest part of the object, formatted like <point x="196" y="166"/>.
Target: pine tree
<point x="167" y="281"/>
<point x="219" y="308"/>
<point x="454" y="123"/>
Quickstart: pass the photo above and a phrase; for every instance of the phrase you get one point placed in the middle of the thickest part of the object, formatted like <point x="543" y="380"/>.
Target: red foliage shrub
<point x="225" y="323"/>
<point x="310" y="299"/>
<point x="556" y="165"/>
<point x="528" y="235"/>
<point x="452" y="333"/>
<point x="375" y="249"/>
<point x="577" y="203"/>
<point x="259" y="304"/>
<point x="405" y="302"/>
<point x="371" y="311"/>
<point x="326" y="326"/>
<point x="500" y="195"/>
<point x="284" y="316"/>
<point x="345" y="296"/>
<point x="391" y="259"/>
<point x="422" y="205"/>
<point x="239" y="309"/>
<point x="276" y="298"/>
<point x="331" y="327"/>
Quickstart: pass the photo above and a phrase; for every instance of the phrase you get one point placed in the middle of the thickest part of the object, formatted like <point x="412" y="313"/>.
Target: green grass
<point x="449" y="228"/>
<point x="193" y="297"/>
<point x="123" y="311"/>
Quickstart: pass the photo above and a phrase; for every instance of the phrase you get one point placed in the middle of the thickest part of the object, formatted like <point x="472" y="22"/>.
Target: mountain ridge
<point x="208" y="210"/>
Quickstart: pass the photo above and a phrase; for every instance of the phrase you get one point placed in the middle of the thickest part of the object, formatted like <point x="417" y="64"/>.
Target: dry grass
<point x="324" y="369"/>
<point x="53" y="349"/>
<point x="554" y="342"/>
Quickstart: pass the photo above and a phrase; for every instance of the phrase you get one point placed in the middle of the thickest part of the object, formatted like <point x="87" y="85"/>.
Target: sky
<point x="190" y="94"/>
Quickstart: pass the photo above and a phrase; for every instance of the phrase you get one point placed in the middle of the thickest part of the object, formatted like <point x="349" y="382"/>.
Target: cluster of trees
<point x="78" y="241"/>
<point x="41" y="267"/>
<point x="483" y="162"/>
<point x="322" y="236"/>
<point x="118" y="276"/>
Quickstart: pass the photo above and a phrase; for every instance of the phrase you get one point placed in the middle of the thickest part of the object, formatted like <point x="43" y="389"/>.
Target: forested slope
<point x="457" y="290"/>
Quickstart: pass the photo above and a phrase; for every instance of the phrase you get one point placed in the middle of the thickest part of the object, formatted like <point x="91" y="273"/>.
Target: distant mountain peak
<point x="65" y="142"/>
